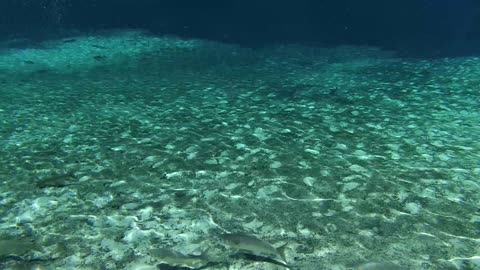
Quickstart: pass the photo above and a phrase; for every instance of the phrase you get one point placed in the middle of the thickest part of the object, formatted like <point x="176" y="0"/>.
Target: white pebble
<point x="276" y="165"/>
<point x="312" y="151"/>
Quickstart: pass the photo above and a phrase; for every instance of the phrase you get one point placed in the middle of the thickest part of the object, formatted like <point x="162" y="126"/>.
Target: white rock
<point x="240" y="146"/>
<point x="68" y="138"/>
<point x="146" y="213"/>
<point x="309" y="181"/>
<point x="350" y="186"/>
<point x="173" y="174"/>
<point x="443" y="157"/>
<point x="395" y="156"/>
<point x="312" y="151"/>
<point x="276" y="165"/>
<point x="135" y="235"/>
<point x="341" y="146"/>
<point x="427" y="157"/>
<point x="413" y="208"/>
<point x="360" y="154"/>
<point x="357" y="168"/>
<point x="119" y="148"/>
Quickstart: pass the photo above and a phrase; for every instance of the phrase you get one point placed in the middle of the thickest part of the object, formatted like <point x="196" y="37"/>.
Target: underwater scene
<point x="127" y="150"/>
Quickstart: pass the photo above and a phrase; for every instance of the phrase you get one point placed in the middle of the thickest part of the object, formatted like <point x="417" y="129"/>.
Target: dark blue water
<point x="420" y="27"/>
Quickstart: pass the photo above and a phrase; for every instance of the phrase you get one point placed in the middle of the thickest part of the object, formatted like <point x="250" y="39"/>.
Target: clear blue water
<point x="113" y="145"/>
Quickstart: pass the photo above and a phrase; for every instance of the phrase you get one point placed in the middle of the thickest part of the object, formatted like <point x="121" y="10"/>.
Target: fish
<point x="99" y="57"/>
<point x="255" y="246"/>
<point x="178" y="259"/>
<point x="57" y="180"/>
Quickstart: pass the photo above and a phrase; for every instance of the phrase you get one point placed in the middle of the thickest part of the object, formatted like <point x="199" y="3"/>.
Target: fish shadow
<point x="165" y="266"/>
<point x="258" y="258"/>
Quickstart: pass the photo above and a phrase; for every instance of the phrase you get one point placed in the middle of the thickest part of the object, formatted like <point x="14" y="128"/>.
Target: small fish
<point x="57" y="180"/>
<point x="69" y="40"/>
<point x="374" y="266"/>
<point x="255" y="246"/>
<point x="99" y="57"/>
<point x="178" y="259"/>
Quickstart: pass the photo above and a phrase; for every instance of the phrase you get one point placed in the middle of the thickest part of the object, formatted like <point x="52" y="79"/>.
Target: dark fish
<point x="98" y="46"/>
<point x="99" y="57"/>
<point x="255" y="246"/>
<point x="70" y="40"/>
<point x="58" y="180"/>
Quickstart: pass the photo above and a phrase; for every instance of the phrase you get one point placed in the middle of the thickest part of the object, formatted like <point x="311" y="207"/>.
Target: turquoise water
<point x="113" y="145"/>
